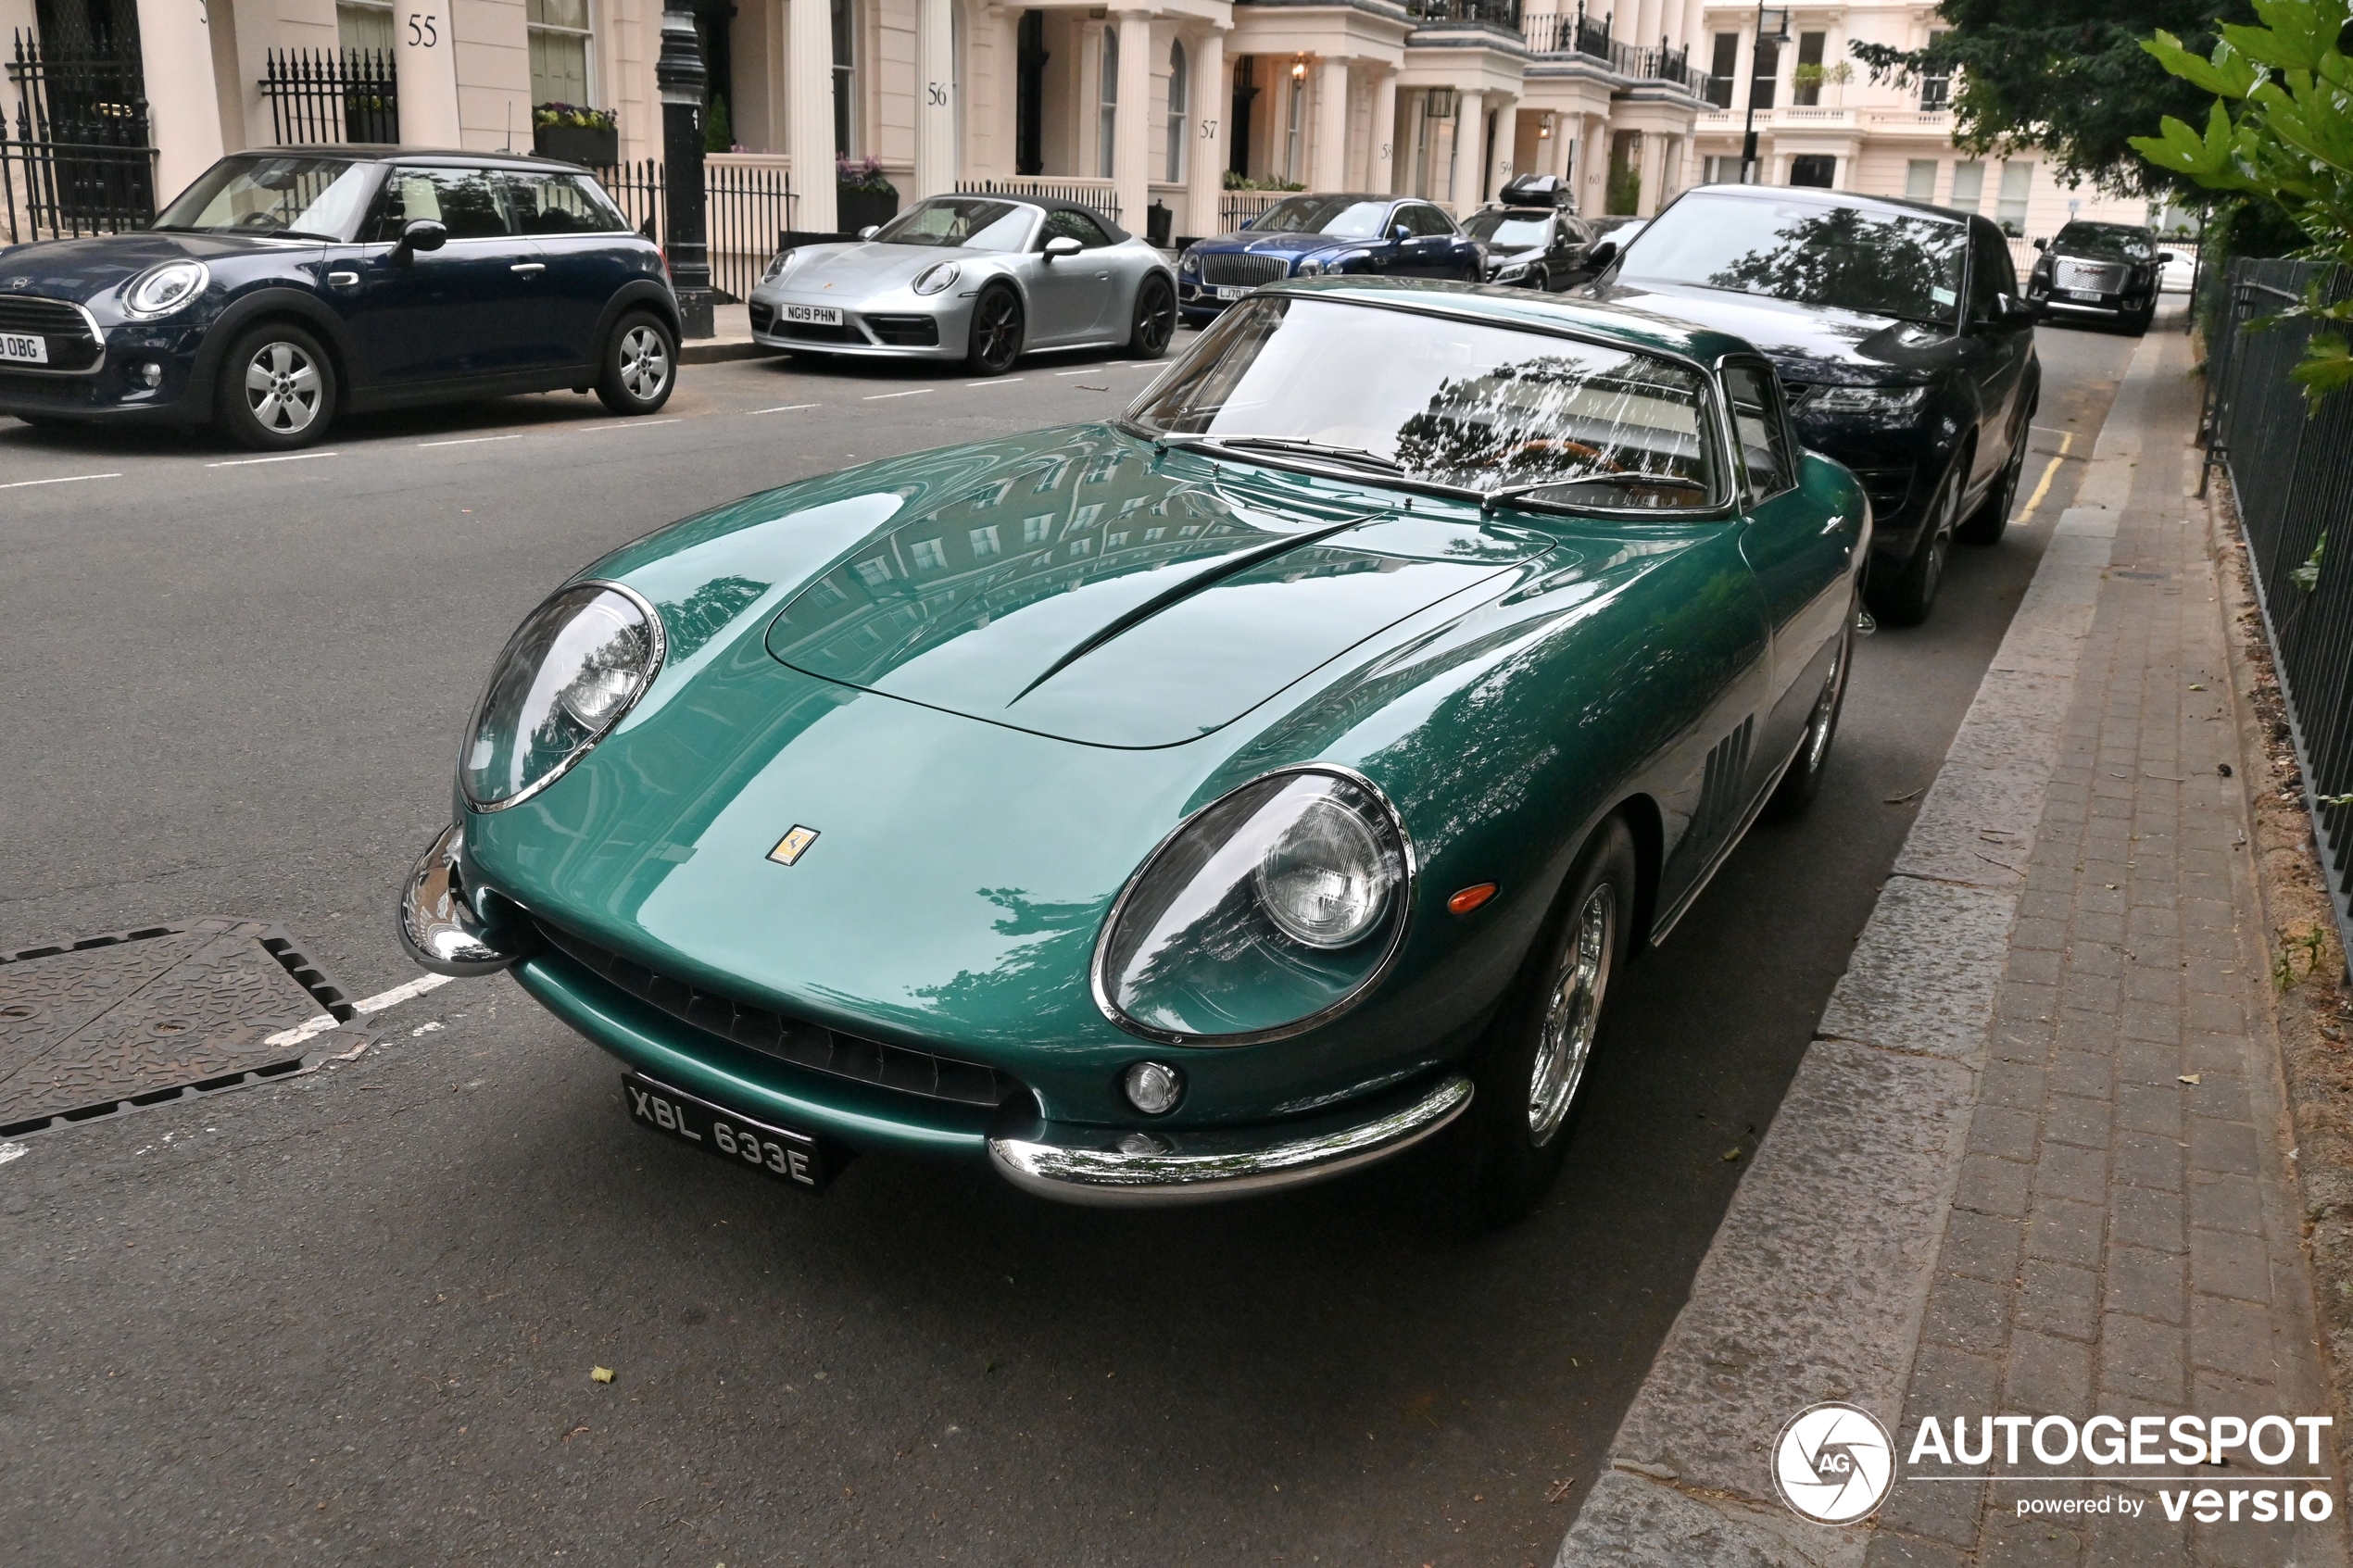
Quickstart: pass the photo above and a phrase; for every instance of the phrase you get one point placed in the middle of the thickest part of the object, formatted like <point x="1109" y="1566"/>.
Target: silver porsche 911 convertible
<point x="980" y="279"/>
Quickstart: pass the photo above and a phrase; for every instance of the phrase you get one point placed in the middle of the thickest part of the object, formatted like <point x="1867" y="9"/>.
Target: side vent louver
<point x="1720" y="791"/>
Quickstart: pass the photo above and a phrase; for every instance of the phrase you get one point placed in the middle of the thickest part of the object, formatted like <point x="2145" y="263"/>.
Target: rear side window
<point x="1428" y="220"/>
<point x="1993" y="273"/>
<point x="1066" y="223"/>
<point x="1768" y="453"/>
<point x="562" y="204"/>
<point x="471" y="202"/>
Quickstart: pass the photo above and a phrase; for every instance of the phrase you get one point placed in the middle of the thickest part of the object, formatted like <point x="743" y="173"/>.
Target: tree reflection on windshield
<point x="1845" y="257"/>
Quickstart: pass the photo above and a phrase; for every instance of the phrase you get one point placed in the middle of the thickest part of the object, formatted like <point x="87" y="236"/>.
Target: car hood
<point x="849" y="270"/>
<point x="1806" y="342"/>
<point x="1285" y="244"/>
<point x="82" y="270"/>
<point x="1104" y="593"/>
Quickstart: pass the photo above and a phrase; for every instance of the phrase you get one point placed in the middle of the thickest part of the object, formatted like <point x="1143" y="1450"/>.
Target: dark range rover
<point x="1901" y="342"/>
<point x="2098" y="272"/>
<point x="288" y="286"/>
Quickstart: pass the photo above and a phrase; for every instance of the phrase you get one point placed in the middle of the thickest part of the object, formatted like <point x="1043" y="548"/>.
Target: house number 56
<point x="937" y="91"/>
<point x="424" y="30"/>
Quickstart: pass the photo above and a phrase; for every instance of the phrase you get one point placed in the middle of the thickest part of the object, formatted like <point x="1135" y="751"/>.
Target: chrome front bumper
<point x="1111" y="1167"/>
<point x="439" y="925"/>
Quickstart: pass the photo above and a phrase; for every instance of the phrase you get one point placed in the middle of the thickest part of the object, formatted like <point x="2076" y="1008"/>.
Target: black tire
<point x="1155" y="319"/>
<point x="640" y="364"/>
<point x="1803" y="781"/>
<point x="998" y="330"/>
<point x="1985" y="525"/>
<point x="1506" y="1151"/>
<point x="277" y="389"/>
<point x="1906" y="599"/>
<point x="2138" y="322"/>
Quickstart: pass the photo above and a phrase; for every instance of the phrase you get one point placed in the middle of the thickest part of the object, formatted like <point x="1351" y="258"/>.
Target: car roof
<point x="1819" y="197"/>
<point x="1515" y="307"/>
<point x="367" y="152"/>
<point x="1044" y="203"/>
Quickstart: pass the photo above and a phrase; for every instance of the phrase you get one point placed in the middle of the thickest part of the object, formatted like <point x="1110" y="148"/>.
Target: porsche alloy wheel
<point x="1155" y="321"/>
<point x="640" y="366"/>
<point x="278" y="389"/>
<point x="1572" y="1014"/>
<point x="996" y="331"/>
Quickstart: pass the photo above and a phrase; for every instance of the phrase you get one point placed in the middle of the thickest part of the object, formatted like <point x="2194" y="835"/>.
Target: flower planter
<point x="594" y="147"/>
<point x="857" y="206"/>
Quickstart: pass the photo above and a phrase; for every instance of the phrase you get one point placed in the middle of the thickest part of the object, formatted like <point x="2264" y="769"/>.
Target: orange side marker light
<point x="1470" y="898"/>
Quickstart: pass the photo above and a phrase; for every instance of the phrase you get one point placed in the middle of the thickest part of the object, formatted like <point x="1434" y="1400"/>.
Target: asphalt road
<point x="352" y="1317"/>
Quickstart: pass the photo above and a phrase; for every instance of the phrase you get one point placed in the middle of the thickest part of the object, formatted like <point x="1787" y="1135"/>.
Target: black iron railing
<point x="74" y="156"/>
<point x="2292" y="477"/>
<point x="747" y="210"/>
<point x="1494" y="13"/>
<point x="1102" y="198"/>
<point x="325" y="96"/>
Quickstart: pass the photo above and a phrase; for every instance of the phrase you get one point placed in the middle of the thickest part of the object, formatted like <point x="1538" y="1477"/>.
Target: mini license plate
<point x="1232" y="291"/>
<point x="2092" y="294"/>
<point x="24" y="350"/>
<point x="815" y="315"/>
<point x="789" y="1157"/>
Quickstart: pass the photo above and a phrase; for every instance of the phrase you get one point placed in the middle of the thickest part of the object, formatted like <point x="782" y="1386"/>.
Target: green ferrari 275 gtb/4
<point x="1210" y="800"/>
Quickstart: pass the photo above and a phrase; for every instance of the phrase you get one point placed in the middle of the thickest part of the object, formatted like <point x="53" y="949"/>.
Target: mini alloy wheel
<point x="277" y="389"/>
<point x="640" y="368"/>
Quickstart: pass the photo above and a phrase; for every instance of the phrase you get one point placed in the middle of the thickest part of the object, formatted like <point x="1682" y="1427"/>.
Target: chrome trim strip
<point x="438" y="925"/>
<point x="1114" y="1178"/>
<point x="653" y="673"/>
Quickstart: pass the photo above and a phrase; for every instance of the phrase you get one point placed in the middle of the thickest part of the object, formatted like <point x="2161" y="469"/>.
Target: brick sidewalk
<point x="2124" y="1242"/>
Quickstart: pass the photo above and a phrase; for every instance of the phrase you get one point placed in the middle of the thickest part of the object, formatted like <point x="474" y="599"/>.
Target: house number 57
<point x="424" y="30"/>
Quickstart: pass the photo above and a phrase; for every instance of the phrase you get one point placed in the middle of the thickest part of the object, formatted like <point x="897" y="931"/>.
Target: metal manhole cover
<point x="139" y="1017"/>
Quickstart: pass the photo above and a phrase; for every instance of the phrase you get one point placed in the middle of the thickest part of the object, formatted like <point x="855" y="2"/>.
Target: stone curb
<point x="718" y="350"/>
<point x="1815" y="1283"/>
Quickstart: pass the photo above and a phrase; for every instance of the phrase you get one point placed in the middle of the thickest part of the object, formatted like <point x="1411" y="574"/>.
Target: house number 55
<point x="424" y="30"/>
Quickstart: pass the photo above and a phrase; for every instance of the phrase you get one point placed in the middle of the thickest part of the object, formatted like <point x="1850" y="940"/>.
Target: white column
<point x="1380" y="162"/>
<point x="1594" y="150"/>
<point x="1654" y="156"/>
<point x="1696" y="37"/>
<point x="1132" y="136"/>
<point x="1330" y="163"/>
<point x="935" y="148"/>
<point x="1213" y="101"/>
<point x="1647" y="24"/>
<point x="183" y="111"/>
<point x="426" y="59"/>
<point x="1564" y="145"/>
<point x="809" y="113"/>
<point x="1506" y="142"/>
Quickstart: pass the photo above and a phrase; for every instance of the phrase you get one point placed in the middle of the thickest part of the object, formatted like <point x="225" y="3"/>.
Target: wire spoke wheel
<point x="1572" y="1014"/>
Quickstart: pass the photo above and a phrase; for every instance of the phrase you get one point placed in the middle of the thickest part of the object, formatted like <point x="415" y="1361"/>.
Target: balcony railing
<point x="1495" y="13"/>
<point x="1567" y="33"/>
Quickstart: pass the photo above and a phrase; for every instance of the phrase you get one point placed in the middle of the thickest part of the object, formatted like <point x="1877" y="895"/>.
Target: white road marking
<point x="288" y="457"/>
<point x="633" y="424"/>
<point x="1088" y="371"/>
<point x="781" y="408"/>
<point x="321" y="1022"/>
<point x="880" y="395"/>
<point x="15" y="1151"/>
<point x="472" y="440"/>
<point x="1001" y="381"/>
<point x="61" y="479"/>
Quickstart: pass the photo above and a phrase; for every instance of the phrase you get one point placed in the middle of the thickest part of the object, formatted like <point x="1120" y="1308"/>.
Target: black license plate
<point x="787" y="1156"/>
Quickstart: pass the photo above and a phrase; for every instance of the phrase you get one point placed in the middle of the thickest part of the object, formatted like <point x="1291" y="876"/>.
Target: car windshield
<point x="1442" y="400"/>
<point x="2117" y="242"/>
<point x="1882" y="263"/>
<point x="1347" y="217"/>
<point x="960" y="222"/>
<point x="1508" y="231"/>
<point x="297" y="195"/>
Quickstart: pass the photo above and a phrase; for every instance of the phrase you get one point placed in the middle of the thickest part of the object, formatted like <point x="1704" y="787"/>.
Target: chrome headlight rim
<point x="659" y="656"/>
<point x="784" y="262"/>
<point x="946" y="273"/>
<point x="1099" y="979"/>
<point x="127" y="297"/>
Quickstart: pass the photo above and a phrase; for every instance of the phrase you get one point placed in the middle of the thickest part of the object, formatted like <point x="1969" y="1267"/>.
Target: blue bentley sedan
<point x="289" y="285"/>
<point x="1305" y="236"/>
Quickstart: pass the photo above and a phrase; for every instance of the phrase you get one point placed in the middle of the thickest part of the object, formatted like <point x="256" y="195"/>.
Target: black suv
<point x="288" y="286"/>
<point x="2098" y="271"/>
<point x="1900" y="340"/>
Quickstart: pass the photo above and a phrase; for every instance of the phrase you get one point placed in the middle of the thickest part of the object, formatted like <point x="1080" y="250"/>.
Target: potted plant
<point x="576" y="134"/>
<point x="862" y="197"/>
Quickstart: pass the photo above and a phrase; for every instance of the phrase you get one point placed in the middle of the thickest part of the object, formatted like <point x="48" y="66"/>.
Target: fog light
<point x="1155" y="1087"/>
<point x="147" y="373"/>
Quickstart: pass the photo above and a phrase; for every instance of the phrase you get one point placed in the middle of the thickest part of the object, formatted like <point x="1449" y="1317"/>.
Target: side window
<point x="472" y="202"/>
<point x="562" y="203"/>
<point x="1990" y="269"/>
<point x="1067" y="223"/>
<point x="1768" y="455"/>
<point x="1427" y="219"/>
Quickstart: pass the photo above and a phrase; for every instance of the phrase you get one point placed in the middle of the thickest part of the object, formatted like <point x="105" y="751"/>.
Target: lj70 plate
<point x="1232" y="291"/>
<point x="791" y="1157"/>
<point x="815" y="315"/>
<point x="24" y="350"/>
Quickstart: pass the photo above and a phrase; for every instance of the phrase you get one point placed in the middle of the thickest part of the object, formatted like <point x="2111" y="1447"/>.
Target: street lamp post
<point x="680" y="76"/>
<point x="1756" y="58"/>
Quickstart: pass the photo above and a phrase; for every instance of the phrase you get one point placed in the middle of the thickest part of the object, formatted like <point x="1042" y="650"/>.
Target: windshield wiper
<point x="1491" y="500"/>
<point x="1356" y="455"/>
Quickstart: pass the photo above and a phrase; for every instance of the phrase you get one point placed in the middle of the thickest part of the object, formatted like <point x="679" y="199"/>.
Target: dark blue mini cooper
<point x="288" y="286"/>
<point x="1307" y="236"/>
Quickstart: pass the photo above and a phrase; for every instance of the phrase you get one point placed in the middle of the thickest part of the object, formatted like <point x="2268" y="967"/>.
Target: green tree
<point x="718" y="132"/>
<point x="2289" y="140"/>
<point x="2068" y="78"/>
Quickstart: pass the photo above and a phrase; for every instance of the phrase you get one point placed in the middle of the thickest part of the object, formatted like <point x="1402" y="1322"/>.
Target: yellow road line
<point x="2041" y="490"/>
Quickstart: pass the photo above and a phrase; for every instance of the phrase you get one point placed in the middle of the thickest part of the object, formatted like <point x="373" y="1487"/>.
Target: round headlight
<point x="934" y="279"/>
<point x="164" y="288"/>
<point x="1189" y="263"/>
<point x="571" y="670"/>
<point x="1267" y="913"/>
<point x="782" y="265"/>
<point x="1311" y="268"/>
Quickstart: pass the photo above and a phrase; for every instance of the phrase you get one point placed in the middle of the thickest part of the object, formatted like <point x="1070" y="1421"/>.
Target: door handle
<point x="529" y="268"/>
<point x="343" y="280"/>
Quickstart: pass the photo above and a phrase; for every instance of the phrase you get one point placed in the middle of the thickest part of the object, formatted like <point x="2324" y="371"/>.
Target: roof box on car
<point x="1537" y="189"/>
